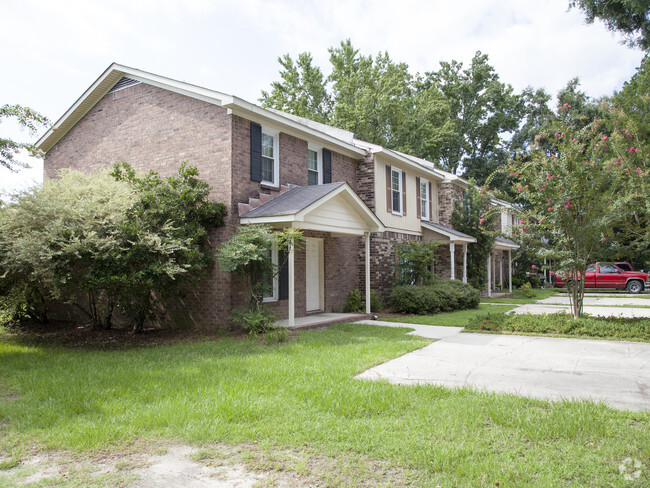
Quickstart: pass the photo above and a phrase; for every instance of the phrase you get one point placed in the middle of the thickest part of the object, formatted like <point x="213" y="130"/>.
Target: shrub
<point x="254" y="320"/>
<point x="441" y="296"/>
<point x="357" y="302"/>
<point x="527" y="291"/>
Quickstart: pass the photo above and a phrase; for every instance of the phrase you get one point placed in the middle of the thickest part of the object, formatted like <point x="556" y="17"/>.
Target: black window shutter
<point x="327" y="166"/>
<point x="283" y="278"/>
<point x="256" y="152"/>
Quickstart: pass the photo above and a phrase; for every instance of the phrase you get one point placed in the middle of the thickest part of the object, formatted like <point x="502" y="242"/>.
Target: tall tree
<point x="483" y="110"/>
<point x="301" y="92"/>
<point x="629" y="17"/>
<point x="28" y="119"/>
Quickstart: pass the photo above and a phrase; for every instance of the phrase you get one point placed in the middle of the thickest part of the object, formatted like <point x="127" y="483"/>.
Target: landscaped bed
<point x="301" y="395"/>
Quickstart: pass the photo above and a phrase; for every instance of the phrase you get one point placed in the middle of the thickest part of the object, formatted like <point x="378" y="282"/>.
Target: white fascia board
<point x="330" y="228"/>
<point x="366" y="214"/>
<point x="409" y="162"/>
<point x="504" y="246"/>
<point x="252" y="112"/>
<point x="276" y="219"/>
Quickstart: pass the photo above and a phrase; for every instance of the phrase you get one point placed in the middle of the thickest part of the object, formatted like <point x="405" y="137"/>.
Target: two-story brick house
<point x="353" y="200"/>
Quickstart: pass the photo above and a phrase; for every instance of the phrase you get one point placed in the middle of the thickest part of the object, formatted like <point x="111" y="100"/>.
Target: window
<point x="396" y="185"/>
<point x="271" y="281"/>
<point x="265" y="159"/>
<point x="425" y="199"/>
<point x="269" y="157"/>
<point x="314" y="165"/>
<point x="608" y="268"/>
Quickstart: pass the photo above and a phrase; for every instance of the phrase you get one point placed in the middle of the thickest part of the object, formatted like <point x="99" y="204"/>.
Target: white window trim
<point x="400" y="178"/>
<point x="319" y="160"/>
<point x="276" y="276"/>
<point x="427" y="185"/>
<point x="276" y="156"/>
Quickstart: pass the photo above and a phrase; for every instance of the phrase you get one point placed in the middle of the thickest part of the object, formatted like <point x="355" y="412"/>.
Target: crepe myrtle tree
<point x="577" y="182"/>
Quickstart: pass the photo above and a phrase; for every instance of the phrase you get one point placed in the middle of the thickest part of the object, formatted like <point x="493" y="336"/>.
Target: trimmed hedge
<point x="563" y="324"/>
<point x="441" y="296"/>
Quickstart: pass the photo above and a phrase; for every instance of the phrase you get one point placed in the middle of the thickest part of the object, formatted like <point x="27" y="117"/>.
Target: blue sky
<point x="54" y="50"/>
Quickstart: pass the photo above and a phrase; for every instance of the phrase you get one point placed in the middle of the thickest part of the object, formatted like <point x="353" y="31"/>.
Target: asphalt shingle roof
<point x="292" y="201"/>
<point x="448" y="230"/>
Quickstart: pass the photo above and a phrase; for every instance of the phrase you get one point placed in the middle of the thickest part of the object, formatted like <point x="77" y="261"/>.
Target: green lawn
<point x="519" y="296"/>
<point x="302" y="395"/>
<point x="456" y="319"/>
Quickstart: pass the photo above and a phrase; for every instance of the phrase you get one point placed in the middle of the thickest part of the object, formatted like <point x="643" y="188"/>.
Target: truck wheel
<point x="635" y="287"/>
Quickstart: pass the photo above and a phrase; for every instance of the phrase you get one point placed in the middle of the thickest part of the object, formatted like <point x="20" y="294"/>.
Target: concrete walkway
<point x="616" y="373"/>
<point x="608" y="311"/>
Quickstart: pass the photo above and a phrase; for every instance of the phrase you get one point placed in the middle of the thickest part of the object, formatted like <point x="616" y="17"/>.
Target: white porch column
<point x="510" y="269"/>
<point x="501" y="271"/>
<point x="367" y="238"/>
<point x="489" y="277"/>
<point x="291" y="318"/>
<point x="464" y="263"/>
<point x="452" y="247"/>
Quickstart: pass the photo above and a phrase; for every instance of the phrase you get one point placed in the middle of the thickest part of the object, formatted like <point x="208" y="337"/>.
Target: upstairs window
<point x="314" y="166"/>
<point x="424" y="199"/>
<point x="395" y="191"/>
<point x="265" y="165"/>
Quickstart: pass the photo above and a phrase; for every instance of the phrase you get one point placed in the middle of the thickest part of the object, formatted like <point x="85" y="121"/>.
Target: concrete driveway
<point x="616" y="373"/>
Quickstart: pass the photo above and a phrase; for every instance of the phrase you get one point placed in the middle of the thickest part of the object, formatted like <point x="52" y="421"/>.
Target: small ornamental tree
<point x="248" y="254"/>
<point x="414" y="262"/>
<point x="476" y="217"/>
<point x="576" y="184"/>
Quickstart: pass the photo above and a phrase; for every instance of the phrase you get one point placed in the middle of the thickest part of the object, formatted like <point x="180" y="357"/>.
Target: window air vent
<point x="123" y="83"/>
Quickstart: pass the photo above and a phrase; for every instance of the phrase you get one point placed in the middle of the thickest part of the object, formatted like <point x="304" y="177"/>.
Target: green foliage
<point x="101" y="241"/>
<point x="28" y="119"/>
<point x="246" y="254"/>
<point x="441" y="296"/>
<point x="56" y="243"/>
<point x="631" y="18"/>
<point x="414" y="262"/>
<point x="578" y="183"/>
<point x="256" y="320"/>
<point x="476" y="217"/>
<point x="483" y="110"/>
<point x="526" y="290"/>
<point x="636" y="329"/>
<point x="357" y="301"/>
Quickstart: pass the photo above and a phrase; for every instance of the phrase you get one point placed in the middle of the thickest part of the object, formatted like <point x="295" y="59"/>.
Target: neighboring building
<point x="354" y="200"/>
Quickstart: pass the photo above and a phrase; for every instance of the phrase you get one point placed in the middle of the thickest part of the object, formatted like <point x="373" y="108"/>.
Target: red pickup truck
<point x="608" y="275"/>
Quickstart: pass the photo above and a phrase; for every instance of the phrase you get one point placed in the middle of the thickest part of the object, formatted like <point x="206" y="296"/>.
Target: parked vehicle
<point x="608" y="275"/>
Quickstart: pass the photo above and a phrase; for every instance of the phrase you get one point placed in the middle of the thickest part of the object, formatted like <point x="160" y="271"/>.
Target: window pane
<point x="267" y="169"/>
<point x="395" y="181"/>
<point x="397" y="201"/>
<point x="312" y="177"/>
<point x="312" y="159"/>
<point x="267" y="145"/>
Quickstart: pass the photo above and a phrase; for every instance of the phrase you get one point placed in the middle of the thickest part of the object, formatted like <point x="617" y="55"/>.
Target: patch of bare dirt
<point x="74" y="336"/>
<point x="209" y="466"/>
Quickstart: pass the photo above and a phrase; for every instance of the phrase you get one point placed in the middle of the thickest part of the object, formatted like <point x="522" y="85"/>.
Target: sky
<point x="54" y="50"/>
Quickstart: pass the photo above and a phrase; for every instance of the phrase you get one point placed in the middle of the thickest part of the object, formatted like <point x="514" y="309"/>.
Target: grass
<point x="455" y="319"/>
<point x="302" y="395"/>
<point x="524" y="296"/>
<point x="563" y="325"/>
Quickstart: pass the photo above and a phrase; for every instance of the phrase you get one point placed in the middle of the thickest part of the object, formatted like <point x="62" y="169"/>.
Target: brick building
<point x="353" y="200"/>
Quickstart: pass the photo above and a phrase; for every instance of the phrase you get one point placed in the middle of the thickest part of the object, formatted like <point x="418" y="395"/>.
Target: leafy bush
<point x="254" y="320"/>
<point x="527" y="291"/>
<point x="357" y="302"/>
<point x="441" y="296"/>
<point x="637" y="329"/>
<point x="521" y="280"/>
<point x="414" y="260"/>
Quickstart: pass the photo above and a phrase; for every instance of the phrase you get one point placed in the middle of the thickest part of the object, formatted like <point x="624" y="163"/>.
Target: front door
<point x="314" y="273"/>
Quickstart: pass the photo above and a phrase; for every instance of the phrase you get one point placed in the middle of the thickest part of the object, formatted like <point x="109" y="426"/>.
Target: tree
<point x="28" y="119"/>
<point x="248" y="254"/>
<point x="414" y="262"/>
<point x="482" y="110"/>
<point x="476" y="217"/>
<point x="54" y="244"/>
<point x="629" y="17"/>
<point x="301" y="92"/>
<point x="579" y="182"/>
<point x="165" y="239"/>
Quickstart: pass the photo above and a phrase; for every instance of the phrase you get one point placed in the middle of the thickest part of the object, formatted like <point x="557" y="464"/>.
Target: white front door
<point x="314" y="273"/>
